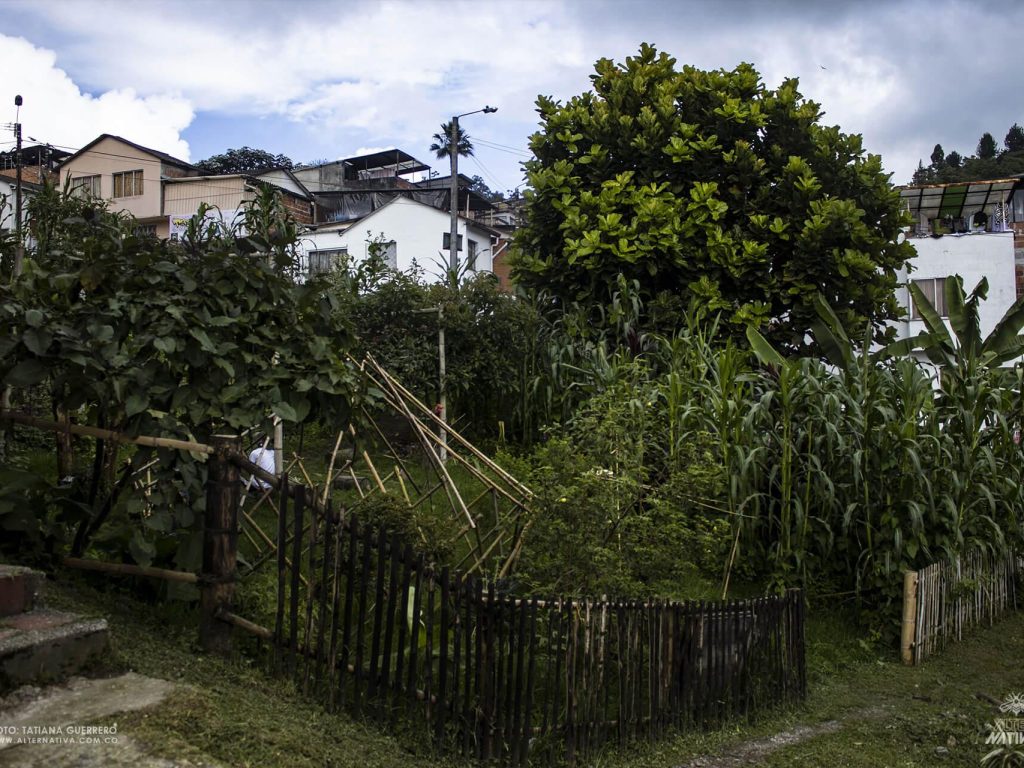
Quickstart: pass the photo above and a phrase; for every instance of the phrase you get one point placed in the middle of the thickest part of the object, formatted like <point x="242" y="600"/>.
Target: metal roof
<point x="934" y="201"/>
<point x="403" y="162"/>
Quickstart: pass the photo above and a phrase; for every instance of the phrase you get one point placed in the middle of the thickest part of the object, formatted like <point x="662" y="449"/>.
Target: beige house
<point x="229" y="193"/>
<point x="127" y="174"/>
<point x="162" y="191"/>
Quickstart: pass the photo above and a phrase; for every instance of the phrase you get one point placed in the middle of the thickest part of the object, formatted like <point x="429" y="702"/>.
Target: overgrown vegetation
<point x="699" y="410"/>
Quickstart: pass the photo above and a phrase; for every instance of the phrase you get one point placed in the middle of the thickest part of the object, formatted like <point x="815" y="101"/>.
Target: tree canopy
<point x="708" y="187"/>
<point x="443" y="139"/>
<point x="244" y="160"/>
<point x="988" y="161"/>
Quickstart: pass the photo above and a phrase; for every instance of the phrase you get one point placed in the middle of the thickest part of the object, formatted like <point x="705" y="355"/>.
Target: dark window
<point x="446" y="242"/>
<point x="326" y="260"/>
<point x="471" y="261"/>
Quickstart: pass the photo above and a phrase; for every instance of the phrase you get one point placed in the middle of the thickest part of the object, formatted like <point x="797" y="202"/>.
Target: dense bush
<point x="490" y="338"/>
<point x="835" y="476"/>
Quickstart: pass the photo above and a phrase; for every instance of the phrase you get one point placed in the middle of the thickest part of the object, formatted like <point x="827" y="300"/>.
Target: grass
<point x="228" y="710"/>
<point x="891" y="716"/>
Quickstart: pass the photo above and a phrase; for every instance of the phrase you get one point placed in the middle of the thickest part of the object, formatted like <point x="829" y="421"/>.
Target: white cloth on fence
<point x="263" y="457"/>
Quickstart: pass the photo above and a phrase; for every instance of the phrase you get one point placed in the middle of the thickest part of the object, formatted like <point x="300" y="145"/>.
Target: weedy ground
<point x="863" y="709"/>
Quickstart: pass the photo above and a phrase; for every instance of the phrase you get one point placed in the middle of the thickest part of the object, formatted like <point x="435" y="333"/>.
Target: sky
<point x="318" y="80"/>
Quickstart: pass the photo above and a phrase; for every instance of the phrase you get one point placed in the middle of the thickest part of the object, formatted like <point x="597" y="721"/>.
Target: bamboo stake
<point x="909" y="616"/>
<point x="401" y="483"/>
<point x="330" y="465"/>
<point x="105" y="434"/>
<point x="373" y="471"/>
<point x="130" y="570"/>
<point x="458" y="437"/>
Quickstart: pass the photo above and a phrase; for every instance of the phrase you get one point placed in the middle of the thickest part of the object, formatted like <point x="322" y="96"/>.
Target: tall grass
<point x="835" y="477"/>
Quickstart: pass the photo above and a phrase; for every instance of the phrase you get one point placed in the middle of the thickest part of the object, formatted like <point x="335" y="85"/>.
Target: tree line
<point x="987" y="162"/>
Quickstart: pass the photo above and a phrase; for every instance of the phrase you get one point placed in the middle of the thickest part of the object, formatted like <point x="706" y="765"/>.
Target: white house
<point x="7" y="203"/>
<point x="413" y="233"/>
<point x="964" y="229"/>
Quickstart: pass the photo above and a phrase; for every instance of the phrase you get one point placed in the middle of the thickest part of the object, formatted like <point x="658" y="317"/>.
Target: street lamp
<point x="453" y="152"/>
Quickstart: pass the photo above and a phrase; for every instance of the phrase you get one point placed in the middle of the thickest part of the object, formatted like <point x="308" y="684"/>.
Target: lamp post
<point x="453" y="153"/>
<point x="19" y="247"/>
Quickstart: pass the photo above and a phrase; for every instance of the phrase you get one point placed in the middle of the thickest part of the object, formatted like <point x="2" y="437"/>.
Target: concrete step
<point x="45" y="646"/>
<point x="20" y="589"/>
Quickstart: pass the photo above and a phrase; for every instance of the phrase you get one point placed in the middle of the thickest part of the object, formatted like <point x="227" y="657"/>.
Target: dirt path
<point x="74" y="725"/>
<point x="751" y="753"/>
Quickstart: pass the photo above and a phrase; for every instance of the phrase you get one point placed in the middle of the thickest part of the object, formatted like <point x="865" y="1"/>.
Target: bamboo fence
<point x="363" y="623"/>
<point x="944" y="601"/>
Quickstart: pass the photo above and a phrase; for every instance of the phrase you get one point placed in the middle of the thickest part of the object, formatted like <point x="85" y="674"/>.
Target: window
<point x="447" y="242"/>
<point x="471" y="261"/>
<point x="934" y="289"/>
<point x="86" y="186"/>
<point x="128" y="184"/>
<point x="390" y="254"/>
<point x="326" y="260"/>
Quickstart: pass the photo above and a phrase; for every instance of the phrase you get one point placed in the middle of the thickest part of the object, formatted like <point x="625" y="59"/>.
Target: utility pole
<point x="453" y="242"/>
<point x="19" y="245"/>
<point x="444" y="394"/>
<point x="19" y="256"/>
<point x="453" y="154"/>
<point x="442" y="409"/>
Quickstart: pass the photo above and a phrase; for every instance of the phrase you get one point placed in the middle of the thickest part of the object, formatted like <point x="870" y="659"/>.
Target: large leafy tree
<point x="243" y="160"/>
<point x="708" y="186"/>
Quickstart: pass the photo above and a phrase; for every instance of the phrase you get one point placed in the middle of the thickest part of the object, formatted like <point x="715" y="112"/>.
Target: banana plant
<point x="964" y="351"/>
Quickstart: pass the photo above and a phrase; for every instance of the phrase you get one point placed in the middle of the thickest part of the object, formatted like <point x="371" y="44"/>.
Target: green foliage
<point x="443" y="140"/>
<point x="785" y="471"/>
<point x="987" y="162"/>
<point x="708" y="186"/>
<point x="243" y="160"/>
<point x="489" y="338"/>
<point x="986" y="147"/>
<point x="1014" y="141"/>
<point x="148" y="337"/>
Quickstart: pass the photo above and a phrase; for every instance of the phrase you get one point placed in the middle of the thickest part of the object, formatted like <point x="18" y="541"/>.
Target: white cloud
<point x="376" y="72"/>
<point x="58" y="112"/>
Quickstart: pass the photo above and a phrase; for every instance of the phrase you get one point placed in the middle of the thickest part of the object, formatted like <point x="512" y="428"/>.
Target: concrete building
<point x="972" y="229"/>
<point x="127" y="174"/>
<point x="414" y="234"/>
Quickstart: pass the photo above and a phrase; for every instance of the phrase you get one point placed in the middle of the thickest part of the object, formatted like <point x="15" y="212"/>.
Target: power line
<point x="499" y="148"/>
<point x="488" y="173"/>
<point x="496" y="145"/>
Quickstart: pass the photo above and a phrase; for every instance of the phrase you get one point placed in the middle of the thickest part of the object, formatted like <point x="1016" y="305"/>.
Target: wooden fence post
<point x="909" y="617"/>
<point x="220" y="544"/>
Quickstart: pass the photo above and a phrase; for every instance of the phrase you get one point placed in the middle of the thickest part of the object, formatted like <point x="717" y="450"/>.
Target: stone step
<point x="44" y="646"/>
<point x="20" y="589"/>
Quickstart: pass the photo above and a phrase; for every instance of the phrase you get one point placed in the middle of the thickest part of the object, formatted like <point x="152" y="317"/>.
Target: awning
<point x="937" y="201"/>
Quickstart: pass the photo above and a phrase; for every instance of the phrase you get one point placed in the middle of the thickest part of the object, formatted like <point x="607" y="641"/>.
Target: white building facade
<point x="962" y="229"/>
<point x="411" y="235"/>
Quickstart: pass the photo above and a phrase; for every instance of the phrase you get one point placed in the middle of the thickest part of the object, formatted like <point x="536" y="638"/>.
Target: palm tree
<point x="442" y="142"/>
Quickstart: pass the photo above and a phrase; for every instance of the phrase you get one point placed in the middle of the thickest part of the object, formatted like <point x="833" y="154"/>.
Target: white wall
<point x="988" y="254"/>
<point x="418" y="231"/>
<point x="7" y="204"/>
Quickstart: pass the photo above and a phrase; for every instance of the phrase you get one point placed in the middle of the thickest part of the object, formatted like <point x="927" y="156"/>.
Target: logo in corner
<point x="1013" y="705"/>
